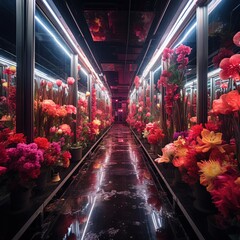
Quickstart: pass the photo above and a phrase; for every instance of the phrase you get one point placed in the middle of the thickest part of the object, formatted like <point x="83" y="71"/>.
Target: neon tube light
<point x="53" y="36"/>
<point x="84" y="71"/>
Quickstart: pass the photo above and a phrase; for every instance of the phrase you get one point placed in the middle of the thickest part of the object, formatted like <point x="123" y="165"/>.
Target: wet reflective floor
<point x="114" y="197"/>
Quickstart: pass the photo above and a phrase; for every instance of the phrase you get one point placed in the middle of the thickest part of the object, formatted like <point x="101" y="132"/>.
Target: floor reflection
<point x="114" y="197"/>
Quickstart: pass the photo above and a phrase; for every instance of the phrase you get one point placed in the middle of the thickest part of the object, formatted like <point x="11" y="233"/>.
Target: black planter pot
<point x="76" y="153"/>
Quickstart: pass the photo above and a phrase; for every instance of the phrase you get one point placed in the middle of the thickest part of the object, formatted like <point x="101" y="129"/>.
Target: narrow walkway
<point x="114" y="197"/>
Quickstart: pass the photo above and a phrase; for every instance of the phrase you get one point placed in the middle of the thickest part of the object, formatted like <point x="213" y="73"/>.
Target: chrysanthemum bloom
<point x="58" y="82"/>
<point x="70" y="80"/>
<point x="209" y="170"/>
<point x="209" y="140"/>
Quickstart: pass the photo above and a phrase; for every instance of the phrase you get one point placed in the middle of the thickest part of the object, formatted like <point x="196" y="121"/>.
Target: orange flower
<point x="209" y="140"/>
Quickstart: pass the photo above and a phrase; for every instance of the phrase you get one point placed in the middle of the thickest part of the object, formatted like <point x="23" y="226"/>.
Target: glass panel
<point x="224" y="22"/>
<point x="7" y="64"/>
<point x="8" y="29"/>
<point x="52" y="54"/>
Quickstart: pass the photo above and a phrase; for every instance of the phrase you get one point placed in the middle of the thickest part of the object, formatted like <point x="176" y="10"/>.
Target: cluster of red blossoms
<point x="176" y="62"/>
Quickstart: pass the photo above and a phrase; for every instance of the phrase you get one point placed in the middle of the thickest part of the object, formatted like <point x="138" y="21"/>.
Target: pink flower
<point x="71" y="109"/>
<point x="65" y="129"/>
<point x="236" y="39"/>
<point x="167" y="53"/>
<point x="70" y="80"/>
<point x="148" y="114"/>
<point x="50" y="84"/>
<point x="137" y="81"/>
<point x="184" y="50"/>
<point x="224" y="85"/>
<point x="59" y="82"/>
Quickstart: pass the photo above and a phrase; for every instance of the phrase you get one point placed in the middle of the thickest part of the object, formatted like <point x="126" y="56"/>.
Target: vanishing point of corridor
<point x="114" y="197"/>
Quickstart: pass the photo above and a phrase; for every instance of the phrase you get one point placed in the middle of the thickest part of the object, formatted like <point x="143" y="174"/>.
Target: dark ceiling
<point x="118" y="35"/>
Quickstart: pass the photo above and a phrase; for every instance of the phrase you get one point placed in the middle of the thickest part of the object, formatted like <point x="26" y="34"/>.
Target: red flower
<point x="42" y="142"/>
<point x="194" y="132"/>
<point x="16" y="138"/>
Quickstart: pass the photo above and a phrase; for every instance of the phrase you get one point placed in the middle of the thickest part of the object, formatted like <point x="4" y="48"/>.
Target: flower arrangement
<point x="172" y="79"/>
<point x="153" y="133"/>
<point x="210" y="154"/>
<point x="22" y="164"/>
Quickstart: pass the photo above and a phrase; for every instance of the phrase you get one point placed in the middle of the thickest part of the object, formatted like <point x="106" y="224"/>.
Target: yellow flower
<point x="97" y="122"/>
<point x="209" y="170"/>
<point x="87" y="94"/>
<point x="5" y="84"/>
<point x="13" y="69"/>
<point x="179" y="142"/>
<point x="209" y="140"/>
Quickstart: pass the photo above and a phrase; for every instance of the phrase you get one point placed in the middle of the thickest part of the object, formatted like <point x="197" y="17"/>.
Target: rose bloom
<point x="148" y="114"/>
<point x="88" y="94"/>
<point x="59" y="82"/>
<point x="70" y="80"/>
<point x="65" y="128"/>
